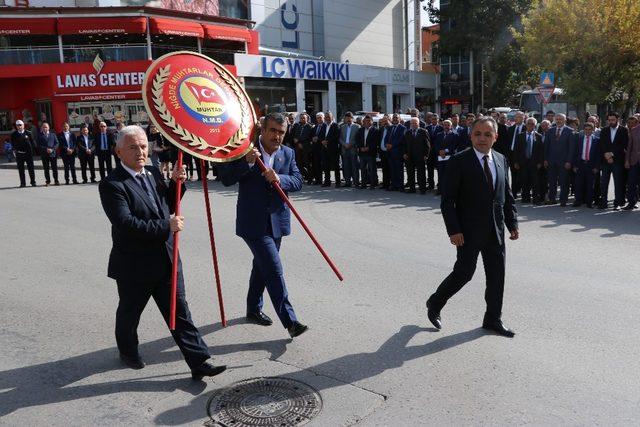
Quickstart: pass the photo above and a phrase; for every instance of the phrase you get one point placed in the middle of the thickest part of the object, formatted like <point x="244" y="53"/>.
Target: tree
<point x="589" y="44"/>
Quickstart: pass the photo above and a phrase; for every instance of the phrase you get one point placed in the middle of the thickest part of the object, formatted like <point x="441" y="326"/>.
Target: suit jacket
<point x="467" y="205"/>
<point x="352" y="136"/>
<point x="259" y="207"/>
<point x="433" y="130"/>
<point x="418" y="147"/>
<point x="72" y="144"/>
<point x="332" y="137"/>
<point x="633" y="149"/>
<point x="142" y="239"/>
<point x="509" y="139"/>
<point x="501" y="143"/>
<point x="318" y="130"/>
<point x="84" y="145"/>
<point x="371" y="143"/>
<point x="288" y="136"/>
<point x="537" y="151"/>
<point x="447" y="142"/>
<point x="303" y="133"/>
<point x="558" y="150"/>
<point x="23" y="143"/>
<point x="48" y="141"/>
<point x="422" y="125"/>
<point x="617" y="146"/>
<point x="595" y="158"/>
<point x="98" y="142"/>
<point x="395" y="137"/>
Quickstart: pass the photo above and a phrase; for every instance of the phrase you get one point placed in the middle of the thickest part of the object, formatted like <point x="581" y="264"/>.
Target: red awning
<point x="174" y="27"/>
<point x="224" y="32"/>
<point x="26" y="26"/>
<point x="102" y="25"/>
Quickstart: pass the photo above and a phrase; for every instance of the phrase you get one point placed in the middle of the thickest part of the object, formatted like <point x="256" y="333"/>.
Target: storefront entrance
<point x="313" y="103"/>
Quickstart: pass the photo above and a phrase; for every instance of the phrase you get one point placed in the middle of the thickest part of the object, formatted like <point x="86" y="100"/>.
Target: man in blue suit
<point x="69" y="150"/>
<point x="395" y="150"/>
<point x="557" y="159"/>
<point x="433" y="129"/>
<point x="263" y="219"/>
<point x="48" y="146"/>
<point x="445" y="145"/>
<point x="586" y="163"/>
<point x="476" y="205"/>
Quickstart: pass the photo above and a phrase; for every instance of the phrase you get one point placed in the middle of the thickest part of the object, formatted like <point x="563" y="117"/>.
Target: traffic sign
<point x="547" y="79"/>
<point x="546" y="93"/>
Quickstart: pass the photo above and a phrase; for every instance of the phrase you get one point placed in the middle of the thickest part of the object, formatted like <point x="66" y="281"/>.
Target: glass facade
<point x="271" y="95"/>
<point x="379" y="98"/>
<point x="455" y="75"/>
<point x="348" y="98"/>
<point x="110" y="112"/>
<point x="425" y="99"/>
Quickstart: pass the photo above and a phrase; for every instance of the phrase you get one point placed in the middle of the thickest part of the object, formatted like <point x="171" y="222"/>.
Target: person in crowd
<point x="68" y="151"/>
<point x="613" y="143"/>
<point x="154" y="149"/>
<point x="416" y="147"/>
<point x="350" y="164"/>
<point x="263" y="220"/>
<point x="516" y="129"/>
<point x="413" y="112"/>
<point x="445" y="145"/>
<point x="116" y="132"/>
<point x="104" y="145"/>
<point x="476" y="204"/>
<point x="330" y="141"/>
<point x="288" y="136"/>
<point x="48" y="148"/>
<point x="86" y="153"/>
<point x="302" y="135"/>
<point x="8" y="151"/>
<point x="557" y="159"/>
<point x="139" y="206"/>
<point x="24" y="146"/>
<point x="366" y="147"/>
<point x="319" y="130"/>
<point x="384" y="132"/>
<point x="586" y="163"/>
<point x="501" y="145"/>
<point x="433" y="129"/>
<point x="632" y="163"/>
<point x="395" y="151"/>
<point x="163" y="148"/>
<point x="528" y="160"/>
<point x="455" y="124"/>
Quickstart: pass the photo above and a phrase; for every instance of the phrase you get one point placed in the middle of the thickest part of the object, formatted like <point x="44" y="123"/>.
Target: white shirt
<point x="492" y="165"/>
<point x="267" y="158"/>
<point x="67" y="136"/>
<point x="584" y="146"/>
<point x="366" y="132"/>
<point x="133" y="173"/>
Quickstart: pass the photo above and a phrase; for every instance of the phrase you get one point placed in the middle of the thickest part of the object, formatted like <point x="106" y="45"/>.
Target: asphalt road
<point x="572" y="296"/>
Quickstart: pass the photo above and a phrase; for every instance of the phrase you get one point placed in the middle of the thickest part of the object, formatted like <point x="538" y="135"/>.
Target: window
<point x="271" y="95"/>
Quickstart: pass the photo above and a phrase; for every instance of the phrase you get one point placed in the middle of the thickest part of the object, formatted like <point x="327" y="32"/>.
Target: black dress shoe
<point x="433" y="315"/>
<point x="576" y="205"/>
<point x="410" y="190"/>
<point x="629" y="207"/>
<point x="297" y="329"/>
<point x="132" y="362"/>
<point x="497" y="327"/>
<point x="259" y="318"/>
<point x="207" y="369"/>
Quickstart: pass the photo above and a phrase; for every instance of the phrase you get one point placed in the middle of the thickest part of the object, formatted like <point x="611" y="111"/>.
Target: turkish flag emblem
<point x="204" y="93"/>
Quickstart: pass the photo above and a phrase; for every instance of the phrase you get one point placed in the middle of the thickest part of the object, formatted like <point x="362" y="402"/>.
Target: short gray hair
<point x="320" y="114"/>
<point x="532" y="119"/>
<point x="127" y="132"/>
<point x="485" y="119"/>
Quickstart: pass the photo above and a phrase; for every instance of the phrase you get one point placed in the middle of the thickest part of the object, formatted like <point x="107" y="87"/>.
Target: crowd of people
<point x="412" y="155"/>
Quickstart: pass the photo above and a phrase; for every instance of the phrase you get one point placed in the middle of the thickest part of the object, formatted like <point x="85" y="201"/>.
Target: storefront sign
<point x="304" y="69"/>
<point x="99" y="80"/>
<point x="112" y="77"/>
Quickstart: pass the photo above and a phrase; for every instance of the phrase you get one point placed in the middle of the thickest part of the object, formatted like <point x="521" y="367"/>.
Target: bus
<point x="532" y="105"/>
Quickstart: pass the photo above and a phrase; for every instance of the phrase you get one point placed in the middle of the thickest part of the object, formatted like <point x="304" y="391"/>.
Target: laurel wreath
<point x="194" y="140"/>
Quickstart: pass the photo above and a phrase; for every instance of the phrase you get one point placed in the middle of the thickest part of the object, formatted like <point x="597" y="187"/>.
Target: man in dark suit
<point x="415" y="113"/>
<point x="416" y="147"/>
<point x="366" y="147"/>
<point x="501" y="144"/>
<point x="302" y="135"/>
<point x="288" y="136"/>
<point x="476" y="204"/>
<point x="613" y="143"/>
<point x="48" y="147"/>
<point x="104" y="143"/>
<point x="384" y="132"/>
<point x="445" y="145"/>
<point x="433" y="129"/>
<point x="514" y="130"/>
<point x="557" y="159"/>
<point x="86" y="154"/>
<point x="24" y="146"/>
<point x="139" y="205"/>
<point x="69" y="151"/>
<point x="330" y="141"/>
<point x="316" y="149"/>
<point x="263" y="219"/>
<point x="395" y="150"/>
<point x="586" y="163"/>
<point x="528" y="159"/>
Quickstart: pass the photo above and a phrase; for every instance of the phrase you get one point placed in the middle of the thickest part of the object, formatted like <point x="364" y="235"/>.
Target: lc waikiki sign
<point x="291" y="68"/>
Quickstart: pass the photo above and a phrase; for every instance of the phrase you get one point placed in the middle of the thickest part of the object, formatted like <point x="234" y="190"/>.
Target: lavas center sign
<point x="112" y="77"/>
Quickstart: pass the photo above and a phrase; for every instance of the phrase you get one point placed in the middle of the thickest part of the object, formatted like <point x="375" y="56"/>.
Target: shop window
<point x="234" y="8"/>
<point x="379" y="98"/>
<point x="110" y="112"/>
<point x="272" y="95"/>
<point x="222" y="50"/>
<point x="6" y="122"/>
<point x="425" y="99"/>
<point x="348" y="97"/>
<point x="28" y="49"/>
<point x="162" y="44"/>
<point x="110" y="47"/>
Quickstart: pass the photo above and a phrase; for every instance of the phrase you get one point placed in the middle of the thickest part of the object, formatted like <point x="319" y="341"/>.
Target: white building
<point x="337" y="55"/>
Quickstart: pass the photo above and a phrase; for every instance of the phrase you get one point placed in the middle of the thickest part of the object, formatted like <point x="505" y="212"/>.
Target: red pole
<point x="285" y="199"/>
<point x="214" y="254"/>
<point x="176" y="239"/>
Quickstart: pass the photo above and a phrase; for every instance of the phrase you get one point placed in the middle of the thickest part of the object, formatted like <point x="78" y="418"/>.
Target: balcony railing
<point x="29" y="55"/>
<point x="157" y="50"/>
<point x="108" y="53"/>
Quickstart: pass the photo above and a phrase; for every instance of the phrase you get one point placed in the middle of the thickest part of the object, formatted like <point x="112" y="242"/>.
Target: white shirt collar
<point x="480" y="155"/>
<point x="267" y="158"/>
<point x="134" y="173"/>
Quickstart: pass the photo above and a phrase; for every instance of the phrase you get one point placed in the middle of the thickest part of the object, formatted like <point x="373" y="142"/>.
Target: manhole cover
<point x="265" y="402"/>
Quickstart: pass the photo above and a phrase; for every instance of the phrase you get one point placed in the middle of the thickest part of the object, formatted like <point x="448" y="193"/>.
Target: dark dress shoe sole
<point x="197" y="375"/>
<point x="434" y="317"/>
<point x="132" y="363"/>
<point x="500" y="330"/>
<point x="263" y="320"/>
<point x="299" y="330"/>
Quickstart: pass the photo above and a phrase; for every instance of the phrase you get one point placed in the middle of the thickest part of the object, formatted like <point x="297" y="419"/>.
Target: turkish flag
<point x="204" y="93"/>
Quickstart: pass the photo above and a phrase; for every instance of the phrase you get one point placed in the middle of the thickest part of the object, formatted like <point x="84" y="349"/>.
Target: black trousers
<point x="386" y="174"/>
<point x="316" y="162"/>
<point x="431" y="168"/>
<point x="88" y="162"/>
<point x="415" y="166"/>
<point x="69" y="167"/>
<point x="330" y="163"/>
<point x="22" y="160"/>
<point x="104" y="163"/>
<point x="493" y="258"/>
<point x="133" y="299"/>
<point x="531" y="180"/>
<point x="50" y="163"/>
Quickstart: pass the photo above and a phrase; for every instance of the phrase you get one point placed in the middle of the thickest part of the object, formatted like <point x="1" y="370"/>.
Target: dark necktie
<point x="142" y="180"/>
<point x="487" y="173"/>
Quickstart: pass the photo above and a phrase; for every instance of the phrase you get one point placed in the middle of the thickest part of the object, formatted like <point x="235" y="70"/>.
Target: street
<point x="571" y="296"/>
